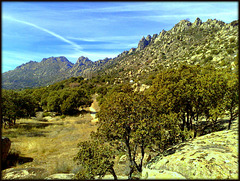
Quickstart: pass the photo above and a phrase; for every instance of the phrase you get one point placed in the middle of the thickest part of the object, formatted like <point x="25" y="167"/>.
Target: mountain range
<point x="213" y="41"/>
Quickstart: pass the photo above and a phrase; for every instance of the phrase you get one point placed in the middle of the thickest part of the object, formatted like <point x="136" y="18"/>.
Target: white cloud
<point x="105" y="38"/>
<point x="76" y="47"/>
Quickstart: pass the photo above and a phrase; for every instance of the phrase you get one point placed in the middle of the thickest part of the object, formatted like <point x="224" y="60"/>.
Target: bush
<point x="214" y="52"/>
<point x="45" y="114"/>
<point x="232" y="40"/>
<point x="95" y="158"/>
<point x="230" y="51"/>
<point x="62" y="116"/>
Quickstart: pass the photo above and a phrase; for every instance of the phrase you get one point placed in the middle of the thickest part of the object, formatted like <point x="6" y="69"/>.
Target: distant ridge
<point x="212" y="41"/>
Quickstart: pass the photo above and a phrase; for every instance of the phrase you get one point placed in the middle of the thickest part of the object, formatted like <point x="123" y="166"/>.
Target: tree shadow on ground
<point x="205" y="128"/>
<point x="13" y="159"/>
<point x="220" y="125"/>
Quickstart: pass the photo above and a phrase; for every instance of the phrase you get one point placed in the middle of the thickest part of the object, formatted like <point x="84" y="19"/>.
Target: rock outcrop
<point x="61" y="176"/>
<point x="143" y="42"/>
<point x="6" y="144"/>
<point x="132" y="50"/>
<point x="23" y="173"/>
<point x="160" y="174"/>
<point x="181" y="26"/>
<point x="197" y="22"/>
<point x="212" y="156"/>
<point x="83" y="61"/>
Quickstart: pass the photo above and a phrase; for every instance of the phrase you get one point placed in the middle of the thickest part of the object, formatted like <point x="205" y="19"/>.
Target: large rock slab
<point x="23" y="173"/>
<point x="60" y="176"/>
<point x="160" y="174"/>
<point x="212" y="156"/>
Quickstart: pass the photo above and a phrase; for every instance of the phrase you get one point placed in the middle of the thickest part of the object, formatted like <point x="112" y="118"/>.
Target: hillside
<point x="195" y="43"/>
<point x="207" y="42"/>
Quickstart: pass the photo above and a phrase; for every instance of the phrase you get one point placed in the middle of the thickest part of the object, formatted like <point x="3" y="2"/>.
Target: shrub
<point x="232" y="40"/>
<point x="230" y="51"/>
<point x="45" y="114"/>
<point x="214" y="52"/>
<point x="62" y="116"/>
<point x="95" y="158"/>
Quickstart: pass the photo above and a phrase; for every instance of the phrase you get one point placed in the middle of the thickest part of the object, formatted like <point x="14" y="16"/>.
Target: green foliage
<point x="67" y="101"/>
<point x="230" y="51"/>
<point x="193" y="93"/>
<point x="231" y="98"/>
<point x="96" y="159"/>
<point x="214" y="52"/>
<point x="17" y="104"/>
<point x="232" y="39"/>
<point x="129" y="118"/>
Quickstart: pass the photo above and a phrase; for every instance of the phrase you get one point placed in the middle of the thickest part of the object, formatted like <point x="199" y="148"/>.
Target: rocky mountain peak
<point x="234" y="23"/>
<point x="181" y="26"/>
<point x="83" y="60"/>
<point x="185" y="22"/>
<point x="148" y="38"/>
<point x="162" y="33"/>
<point x="197" y="22"/>
<point x="213" y="23"/>
<point x="56" y="59"/>
<point x="144" y="42"/>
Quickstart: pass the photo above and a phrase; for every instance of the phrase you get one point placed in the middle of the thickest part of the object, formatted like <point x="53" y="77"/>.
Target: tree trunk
<point x="229" y="123"/>
<point x="188" y="122"/>
<point x="184" y="122"/>
<point x="230" y="120"/>
<point x="113" y="173"/>
<point x="142" y="157"/>
<point x="129" y="157"/>
<point x="131" y="172"/>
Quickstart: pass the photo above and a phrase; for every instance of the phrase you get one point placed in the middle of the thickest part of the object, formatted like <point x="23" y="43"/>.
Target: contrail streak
<point x="76" y="47"/>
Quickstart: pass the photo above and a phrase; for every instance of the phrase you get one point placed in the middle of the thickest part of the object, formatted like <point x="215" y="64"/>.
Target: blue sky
<point x="37" y="30"/>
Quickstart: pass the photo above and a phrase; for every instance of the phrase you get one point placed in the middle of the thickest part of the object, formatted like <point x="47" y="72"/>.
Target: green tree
<point x="231" y="99"/>
<point x="174" y="91"/>
<point x="128" y="118"/>
<point x="8" y="104"/>
<point x="192" y="92"/>
<point x="38" y="94"/>
<point x="17" y="105"/>
<point x="54" y="102"/>
<point x="96" y="159"/>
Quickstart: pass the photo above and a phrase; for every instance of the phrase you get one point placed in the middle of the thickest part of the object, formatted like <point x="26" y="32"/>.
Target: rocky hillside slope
<point x="199" y="42"/>
<point x="212" y="156"/>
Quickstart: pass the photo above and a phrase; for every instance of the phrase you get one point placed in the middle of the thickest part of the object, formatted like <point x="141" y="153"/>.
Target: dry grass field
<point x="51" y="144"/>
